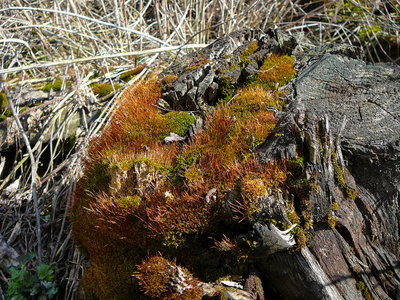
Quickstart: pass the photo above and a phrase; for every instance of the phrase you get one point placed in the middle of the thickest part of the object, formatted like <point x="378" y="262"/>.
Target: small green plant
<point x="26" y="283"/>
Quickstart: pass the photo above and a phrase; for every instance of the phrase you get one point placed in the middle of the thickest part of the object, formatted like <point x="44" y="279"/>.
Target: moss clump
<point x="130" y="202"/>
<point x="301" y="235"/>
<point x="72" y="139"/>
<point x="126" y="76"/>
<point x="104" y="89"/>
<point x="360" y="285"/>
<point x="331" y="220"/>
<point x="56" y="85"/>
<point x="252" y="188"/>
<point x="98" y="177"/>
<point x="226" y="91"/>
<point x="349" y="192"/>
<point x="110" y="275"/>
<point x="8" y="113"/>
<point x="168" y="79"/>
<point x="244" y="57"/>
<point x="178" y="122"/>
<point x="3" y="104"/>
<point x="277" y="70"/>
<point x="155" y="273"/>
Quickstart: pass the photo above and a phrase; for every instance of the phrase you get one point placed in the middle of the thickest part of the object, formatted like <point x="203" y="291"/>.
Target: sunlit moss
<point x="277" y="70"/>
<point x="244" y="57"/>
<point x="331" y="220"/>
<point x="364" y="290"/>
<point x="349" y="192"/>
<point x="178" y="122"/>
<point x="226" y="90"/>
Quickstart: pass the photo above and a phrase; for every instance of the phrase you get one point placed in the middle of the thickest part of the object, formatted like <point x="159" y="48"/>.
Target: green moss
<point x="72" y="139"/>
<point x="300" y="234"/>
<point x="3" y="101"/>
<point x="178" y="122"/>
<point x="331" y="220"/>
<point x="98" y="178"/>
<point x="104" y="89"/>
<point x="126" y="76"/>
<point x="8" y="113"/>
<point x="226" y="91"/>
<point x="349" y="192"/>
<point x="360" y="285"/>
<point x="297" y="166"/>
<point x="268" y="221"/>
<point x="244" y="57"/>
<point x="277" y="70"/>
<point x="22" y="109"/>
<point x="130" y="202"/>
<point x="56" y="85"/>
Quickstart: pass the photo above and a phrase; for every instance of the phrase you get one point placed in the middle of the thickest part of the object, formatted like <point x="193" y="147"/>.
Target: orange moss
<point x="276" y="70"/>
<point x="168" y="79"/>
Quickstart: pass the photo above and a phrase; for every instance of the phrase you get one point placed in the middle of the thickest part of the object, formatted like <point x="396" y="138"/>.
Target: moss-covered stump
<point x="189" y="200"/>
